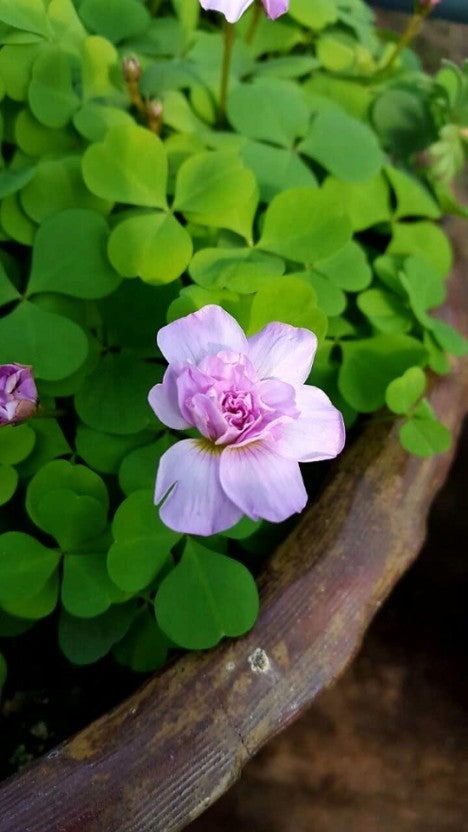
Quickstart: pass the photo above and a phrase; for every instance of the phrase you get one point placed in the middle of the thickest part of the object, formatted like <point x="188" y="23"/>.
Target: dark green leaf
<point x="115" y="19"/>
<point x="343" y="145"/>
<point x="8" y="483"/>
<point x="369" y="365"/>
<point x="142" y="543"/>
<point x="36" y="606"/>
<point x="423" y="435"/>
<point x="412" y="199"/>
<point x="425" y="240"/>
<point x="144" y="647"/>
<point x="61" y="475"/>
<point x="53" y="345"/>
<point x="86" y="588"/>
<point x="25" y="565"/>
<point x="16" y="443"/>
<point x="138" y="469"/>
<point x="69" y="256"/>
<point x="69" y="517"/>
<point x="220" y="599"/>
<point x="50" y="443"/>
<point x="269" y="109"/>
<point x="402" y="393"/>
<point x="385" y="311"/>
<point x="85" y="640"/>
<point x="104" y="451"/>
<point x="114" y="398"/>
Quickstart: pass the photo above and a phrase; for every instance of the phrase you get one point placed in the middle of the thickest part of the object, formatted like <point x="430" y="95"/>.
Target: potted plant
<point x="157" y="165"/>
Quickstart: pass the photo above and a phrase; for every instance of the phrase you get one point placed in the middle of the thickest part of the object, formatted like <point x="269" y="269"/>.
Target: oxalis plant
<point x="257" y="191"/>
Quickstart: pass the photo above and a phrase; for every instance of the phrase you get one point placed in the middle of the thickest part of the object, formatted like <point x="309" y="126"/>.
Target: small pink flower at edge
<point x="234" y="9"/>
<point x="18" y="394"/>
<point x="427" y="4"/>
<point x="256" y="418"/>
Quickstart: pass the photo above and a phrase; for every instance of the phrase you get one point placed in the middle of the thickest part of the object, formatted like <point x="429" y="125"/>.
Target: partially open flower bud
<point x="18" y="393"/>
<point x="426" y="5"/>
<point x="131" y="69"/>
<point x="155" y="109"/>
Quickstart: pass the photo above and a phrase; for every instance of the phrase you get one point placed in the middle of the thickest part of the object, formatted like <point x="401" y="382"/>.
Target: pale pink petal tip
<point x="275" y="8"/>
<point x="209" y="330"/>
<point x="319" y="432"/>
<point x="283" y="351"/>
<point x="261" y="483"/>
<point x="188" y="479"/>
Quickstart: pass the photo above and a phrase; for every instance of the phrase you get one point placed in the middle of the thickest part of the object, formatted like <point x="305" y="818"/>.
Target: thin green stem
<point x="256" y="15"/>
<point x="406" y="38"/>
<point x="227" y="55"/>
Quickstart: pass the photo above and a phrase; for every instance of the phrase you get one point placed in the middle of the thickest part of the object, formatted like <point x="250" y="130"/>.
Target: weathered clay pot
<point x="164" y="755"/>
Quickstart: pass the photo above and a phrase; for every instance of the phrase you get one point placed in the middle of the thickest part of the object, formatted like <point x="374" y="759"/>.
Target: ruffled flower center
<point x="224" y="399"/>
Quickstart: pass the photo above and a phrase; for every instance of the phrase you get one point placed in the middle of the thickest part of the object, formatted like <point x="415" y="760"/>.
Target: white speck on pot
<point x="259" y="661"/>
<point x="230" y="666"/>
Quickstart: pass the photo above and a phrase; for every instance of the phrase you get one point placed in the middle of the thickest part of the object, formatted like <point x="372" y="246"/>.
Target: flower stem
<point x="227" y="55"/>
<point x="406" y="38"/>
<point x="256" y="14"/>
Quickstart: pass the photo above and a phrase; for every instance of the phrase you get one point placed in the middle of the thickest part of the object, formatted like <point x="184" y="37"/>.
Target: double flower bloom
<point x="256" y="418"/>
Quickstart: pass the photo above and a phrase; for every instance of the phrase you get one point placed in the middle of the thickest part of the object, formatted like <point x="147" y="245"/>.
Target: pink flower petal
<point x="318" y="433"/>
<point x="195" y="503"/>
<point x="278" y="395"/>
<point x="232" y="9"/>
<point x="275" y="8"/>
<point x="262" y="483"/>
<point x="209" y="330"/>
<point x="163" y="398"/>
<point x="283" y="351"/>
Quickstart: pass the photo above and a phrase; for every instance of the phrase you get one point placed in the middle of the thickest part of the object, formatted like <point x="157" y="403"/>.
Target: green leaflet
<point x="25" y="565"/>
<point x="304" y="225"/>
<point x="369" y="365"/>
<point x="402" y="393"/>
<point x="220" y="599"/>
<point x="142" y="543"/>
<point x="215" y="189"/>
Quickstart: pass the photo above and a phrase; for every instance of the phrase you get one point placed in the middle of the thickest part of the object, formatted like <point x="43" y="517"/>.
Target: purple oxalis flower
<point x="18" y="394"/>
<point x="256" y="417"/>
<point x="234" y="9"/>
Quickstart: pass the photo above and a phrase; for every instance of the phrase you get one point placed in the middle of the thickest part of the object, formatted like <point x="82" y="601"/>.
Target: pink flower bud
<point x="426" y="5"/>
<point x="18" y="393"/>
<point x="155" y="110"/>
<point x="131" y="69"/>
